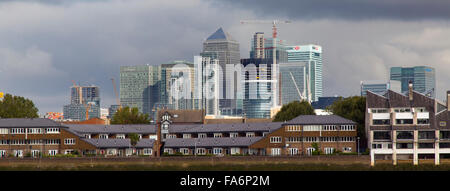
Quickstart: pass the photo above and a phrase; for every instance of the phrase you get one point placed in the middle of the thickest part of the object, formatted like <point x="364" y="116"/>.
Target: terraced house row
<point x="32" y="137"/>
<point x="408" y="126"/>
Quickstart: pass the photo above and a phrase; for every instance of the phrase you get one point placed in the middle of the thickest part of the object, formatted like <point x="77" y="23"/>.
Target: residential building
<point x="409" y="126"/>
<point x="312" y="56"/>
<point x="321" y="106"/>
<point x="423" y="78"/>
<point x="221" y="46"/>
<point x="379" y="86"/>
<point x="257" y="48"/>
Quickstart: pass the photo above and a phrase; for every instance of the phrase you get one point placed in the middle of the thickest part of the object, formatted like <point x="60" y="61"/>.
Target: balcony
<point x="407" y="115"/>
<point x="423" y="115"/>
<point x="381" y="116"/>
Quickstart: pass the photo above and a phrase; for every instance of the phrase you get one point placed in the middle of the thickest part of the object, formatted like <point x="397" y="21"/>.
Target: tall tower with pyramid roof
<point x="220" y="45"/>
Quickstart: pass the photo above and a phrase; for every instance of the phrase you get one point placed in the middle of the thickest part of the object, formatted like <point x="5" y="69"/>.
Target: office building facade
<point x="293" y="83"/>
<point x="221" y="46"/>
<point x="379" y="87"/>
<point x="422" y="77"/>
<point x="90" y="97"/>
<point x="207" y="83"/>
<point x="257" y="49"/>
<point x="312" y="56"/>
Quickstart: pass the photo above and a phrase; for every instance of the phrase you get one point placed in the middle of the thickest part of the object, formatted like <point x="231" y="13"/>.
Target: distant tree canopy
<point x="294" y="109"/>
<point x="134" y="138"/>
<point x="17" y="107"/>
<point x="127" y="115"/>
<point x="352" y="108"/>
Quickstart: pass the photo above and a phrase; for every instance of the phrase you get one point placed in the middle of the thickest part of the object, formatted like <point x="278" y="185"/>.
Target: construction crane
<point x="117" y="94"/>
<point x="274" y="53"/>
<point x="80" y="97"/>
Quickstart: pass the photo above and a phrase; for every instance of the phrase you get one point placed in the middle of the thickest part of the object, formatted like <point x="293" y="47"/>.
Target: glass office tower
<point x="312" y="56"/>
<point x="76" y="109"/>
<point x="379" y="87"/>
<point x="293" y="82"/>
<point x="422" y="77"/>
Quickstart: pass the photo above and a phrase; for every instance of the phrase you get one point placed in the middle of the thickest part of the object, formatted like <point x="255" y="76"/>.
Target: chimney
<point x="448" y="100"/>
<point x="410" y="90"/>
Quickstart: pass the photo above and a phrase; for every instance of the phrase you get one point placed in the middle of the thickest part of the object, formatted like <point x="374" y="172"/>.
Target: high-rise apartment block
<point x="423" y="78"/>
<point x="257" y="48"/>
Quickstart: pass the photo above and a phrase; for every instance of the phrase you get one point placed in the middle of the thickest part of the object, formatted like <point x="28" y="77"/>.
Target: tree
<point x="134" y="138"/>
<point x="352" y="108"/>
<point x="127" y="115"/>
<point x="294" y="109"/>
<point x="17" y="107"/>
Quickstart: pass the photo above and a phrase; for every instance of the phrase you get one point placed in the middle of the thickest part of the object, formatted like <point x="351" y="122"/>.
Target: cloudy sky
<point x="44" y="44"/>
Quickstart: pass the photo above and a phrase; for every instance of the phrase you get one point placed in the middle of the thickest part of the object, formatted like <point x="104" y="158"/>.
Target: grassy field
<point x="216" y="164"/>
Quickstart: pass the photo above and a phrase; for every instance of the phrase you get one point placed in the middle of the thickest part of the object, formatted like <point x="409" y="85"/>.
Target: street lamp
<point x="358" y="146"/>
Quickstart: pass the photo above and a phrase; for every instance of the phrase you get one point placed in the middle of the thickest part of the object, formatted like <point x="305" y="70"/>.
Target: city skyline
<point x="55" y="43"/>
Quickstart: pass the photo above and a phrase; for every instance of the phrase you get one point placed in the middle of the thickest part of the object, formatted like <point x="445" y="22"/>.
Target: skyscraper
<point x="139" y="87"/>
<point x="220" y="45"/>
<point x="177" y="85"/>
<point x="379" y="86"/>
<point x="312" y="56"/>
<point x="76" y="110"/>
<point x="206" y="91"/>
<point x="293" y="82"/>
<point x="257" y="48"/>
<point x="422" y="77"/>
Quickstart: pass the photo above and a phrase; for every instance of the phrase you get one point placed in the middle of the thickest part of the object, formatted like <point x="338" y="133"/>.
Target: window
<point x="17" y="131"/>
<point x="405" y="135"/>
<point x="421" y="109"/>
<point x="347" y="139"/>
<point x="250" y="134"/>
<point x="444" y="134"/>
<point x="310" y="139"/>
<point x="426" y="135"/>
<point x="120" y="136"/>
<point x="68" y="151"/>
<point x="52" y="152"/>
<point x="17" y="142"/>
<point x="186" y="136"/>
<point x="217" y="134"/>
<point x="328" y="139"/>
<point x="52" y="130"/>
<point x="34" y="131"/>
<point x="147" y="151"/>
<point x="310" y="150"/>
<point x="293" y="128"/>
<point x="35" y="153"/>
<point x="2" y="153"/>
<point x="168" y="150"/>
<point x="382" y="135"/>
<point x="171" y="136"/>
<point x="202" y="135"/>
<point x="380" y="110"/>
<point x="276" y="151"/>
<point x="4" y="142"/>
<point x="293" y="151"/>
<point x="404" y="145"/>
<point x="184" y="151"/>
<point x="311" y="128"/>
<point x="423" y="121"/>
<point x="3" y="131"/>
<point x="347" y="127"/>
<point x="293" y="139"/>
<point x="103" y="136"/>
<point x="347" y="149"/>
<point x="201" y="151"/>
<point x="52" y="142"/>
<point x="217" y="151"/>
<point x="235" y="150"/>
<point x="87" y="136"/>
<point x="381" y="122"/>
<point x="404" y="121"/>
<point x="402" y="110"/>
<point x="329" y="150"/>
<point x="426" y="145"/>
<point x="377" y="146"/>
<point x="329" y="128"/>
<point x="69" y="141"/>
<point x="275" y="139"/>
<point x="234" y="135"/>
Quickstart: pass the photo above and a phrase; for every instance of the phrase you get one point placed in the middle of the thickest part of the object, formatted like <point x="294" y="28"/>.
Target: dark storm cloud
<point x="348" y="9"/>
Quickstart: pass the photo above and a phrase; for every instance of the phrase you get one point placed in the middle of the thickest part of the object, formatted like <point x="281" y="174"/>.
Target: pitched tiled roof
<point x="319" y="120"/>
<point x="211" y="142"/>
<point x="236" y="127"/>
<point x="28" y="122"/>
<point x="119" y="143"/>
<point x="125" y="129"/>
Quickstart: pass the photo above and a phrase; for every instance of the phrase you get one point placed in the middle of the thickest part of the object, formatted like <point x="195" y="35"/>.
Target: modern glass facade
<point x="312" y="56"/>
<point x="292" y="82"/>
<point x="282" y="55"/>
<point x="422" y="77"/>
<point x="140" y="87"/>
<point x="257" y="87"/>
<point x="379" y="87"/>
<point x="206" y="91"/>
<point x="76" y="109"/>
<point x="223" y="47"/>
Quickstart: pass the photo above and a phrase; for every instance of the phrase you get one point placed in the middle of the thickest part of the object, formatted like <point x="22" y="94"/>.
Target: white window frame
<point x="52" y="152"/>
<point x="275" y="139"/>
<point x="69" y="141"/>
<point x="275" y="151"/>
<point x="120" y="136"/>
